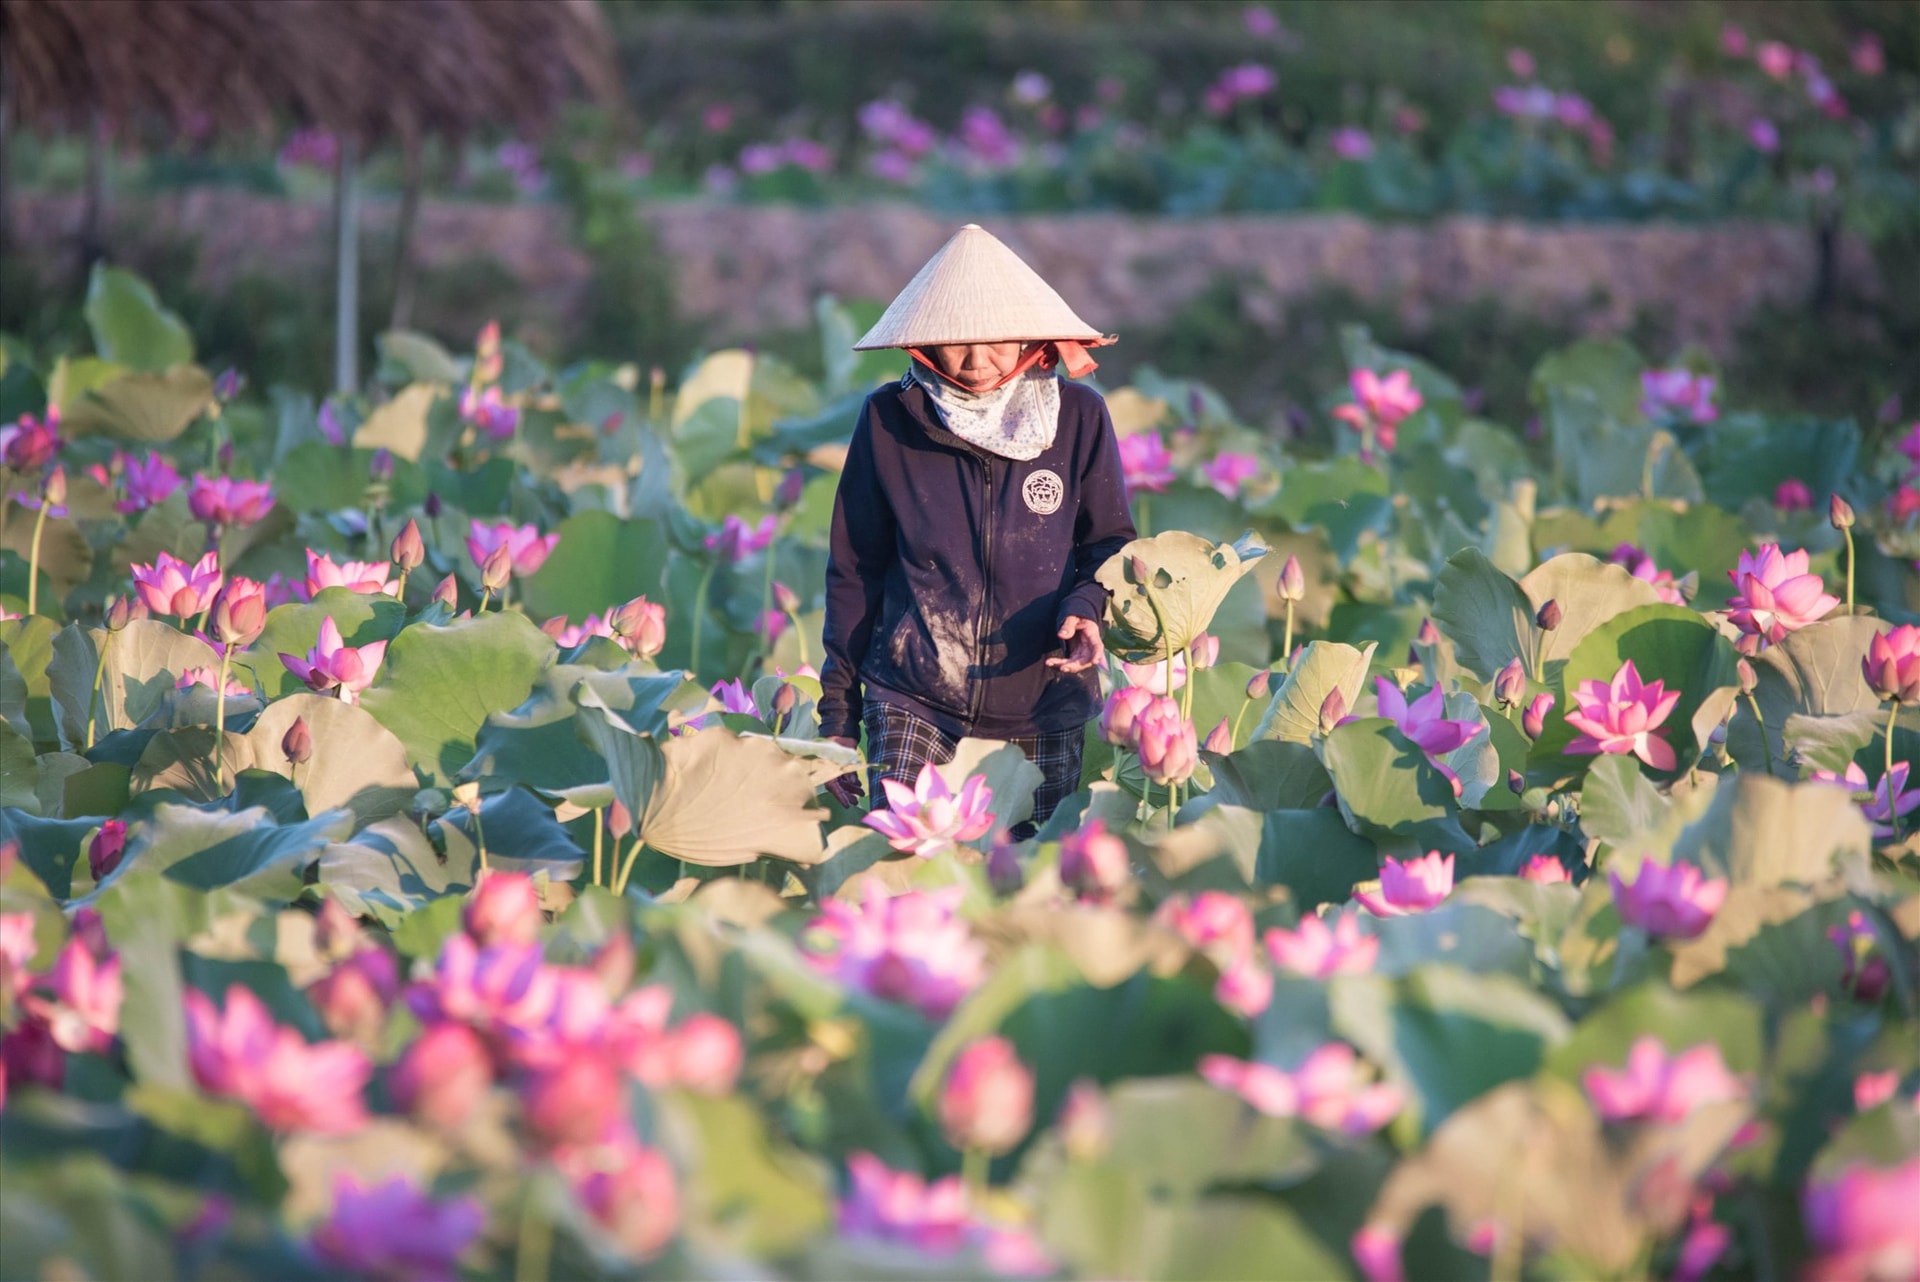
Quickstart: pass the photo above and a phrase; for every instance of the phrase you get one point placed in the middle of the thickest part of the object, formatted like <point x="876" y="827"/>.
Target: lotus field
<point x="1495" y="858"/>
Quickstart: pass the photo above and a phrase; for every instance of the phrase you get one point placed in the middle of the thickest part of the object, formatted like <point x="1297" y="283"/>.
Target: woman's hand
<point x="1084" y="648"/>
<point x="846" y="789"/>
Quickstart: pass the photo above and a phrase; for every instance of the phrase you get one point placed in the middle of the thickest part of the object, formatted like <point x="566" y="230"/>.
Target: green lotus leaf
<point x="1269" y="774"/>
<point x="1815" y="672"/>
<point x="724" y="799"/>
<point x="357" y="763"/>
<point x="1767" y="832"/>
<point x="600" y="562"/>
<point x="1186" y="578"/>
<point x="1323" y="667"/>
<point x="520" y="834"/>
<point x="246" y="852"/>
<point x="421" y="356"/>
<point x="142" y="406"/>
<point x="1390" y="791"/>
<point x="129" y="323"/>
<point x="1314" y="855"/>
<point x="388" y="869"/>
<point x="28" y="643"/>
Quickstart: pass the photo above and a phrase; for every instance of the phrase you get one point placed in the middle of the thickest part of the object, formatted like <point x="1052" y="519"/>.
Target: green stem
<point x="220" y="723"/>
<point x="1848" y="532"/>
<point x="1893" y="802"/>
<point x="599" y="835"/>
<point x="1765" y="744"/>
<point x="1286" y="646"/>
<point x="626" y="869"/>
<point x="1239" y="717"/>
<point x="974" y="1164"/>
<point x="1146" y="526"/>
<point x="699" y="618"/>
<point x="33" y="559"/>
<point x="480" y="840"/>
<point x="1186" y="694"/>
<point x="99" y="671"/>
<point x="486" y="595"/>
<point x="200" y="619"/>
<point x="533" y="1252"/>
<point x="799" y="635"/>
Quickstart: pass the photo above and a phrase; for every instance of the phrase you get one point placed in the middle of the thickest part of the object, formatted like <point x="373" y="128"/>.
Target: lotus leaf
<point x="1186" y="578"/>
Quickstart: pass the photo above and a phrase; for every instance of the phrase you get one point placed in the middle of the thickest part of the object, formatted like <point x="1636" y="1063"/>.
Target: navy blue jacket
<point x="952" y="569"/>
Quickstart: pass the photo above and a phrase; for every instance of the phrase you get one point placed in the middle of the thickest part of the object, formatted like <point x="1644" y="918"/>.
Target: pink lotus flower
<point x="227" y="500"/>
<point x="1330" y="1089"/>
<point x="504" y="909"/>
<point x="1866" y="974"/>
<point x="504" y="992"/>
<point x="1229" y="473"/>
<point x="17" y="950"/>
<point x="1677" y="394"/>
<point x="1165" y="741"/>
<point x="332" y="664"/>
<point x="1546" y="870"/>
<point x="1640" y="565"/>
<point x="1378" y="408"/>
<point x="737" y="540"/>
<point x="1656" y="1087"/>
<point x="82" y="1008"/>
<point x="1764" y="135"/>
<point x="1862" y="1226"/>
<point x="1094" y="863"/>
<point x="30" y="443"/>
<point x="1792" y="495"/>
<point x="1871" y="1090"/>
<point x="1410" y="887"/>
<point x="527" y="549"/>
<point x="909" y="948"/>
<point x="290" y="1085"/>
<point x="1424" y="720"/>
<point x="210" y="678"/>
<point x="488" y="411"/>
<point x="632" y="1194"/>
<point x="147" y="483"/>
<point x="1777" y="595"/>
<point x="640" y="626"/>
<point x="1085" y="1124"/>
<point x="393" y="1230"/>
<point x="1671" y="902"/>
<point x="171" y="586"/>
<point x="1351" y="143"/>
<point x="1213" y="922"/>
<point x="987" y="1102"/>
<point x="705" y="1054"/>
<point x="902" y="1207"/>
<point x="928" y="818"/>
<point x="353" y="997"/>
<point x="568" y="636"/>
<point x="1145" y="463"/>
<point x="1245" y="987"/>
<point x="1376" y="1249"/>
<point x="370" y="577"/>
<point x="105" y="849"/>
<point x="1123" y="708"/>
<point x="1775" y="59"/>
<point x="1875" y="804"/>
<point x="1623" y="717"/>
<point x="576" y="1099"/>
<point x="1892" y="665"/>
<point x="1320" y="951"/>
<point x="443" y="1075"/>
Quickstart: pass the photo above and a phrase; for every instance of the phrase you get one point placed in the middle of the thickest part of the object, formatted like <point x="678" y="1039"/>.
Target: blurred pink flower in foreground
<point x="1792" y="495"/>
<point x="1669" y="901"/>
<point x="292" y="1086"/>
<point x="1228" y="473"/>
<point x="1376" y="1249"/>
<point x="1775" y="59"/>
<point x="1777" y="594"/>
<point x="1677" y="394"/>
<point x="332" y="664"/>
<point x="1331" y="1089"/>
<point x="1145" y="462"/>
<point x="1865" y="972"/>
<point x="902" y="1207"/>
<point x="502" y="992"/>
<point x="370" y="577"/>
<point x="81" y="1005"/>
<point x="986" y="1103"/>
<point x="171" y="586"/>
<point x="1657" y="1087"/>
<point x="1213" y="922"/>
<point x="526" y="546"/>
<point x="1378" y="408"/>
<point x="1545" y="870"/>
<point x="1624" y="716"/>
<point x="910" y="948"/>
<point x="1640" y="565"/>
<point x="503" y="909"/>
<point x="1094" y="863"/>
<point x="1892" y="665"/>
<point x="1320" y="951"/>
<point x="352" y="999"/>
<point x="226" y="500"/>
<point x="928" y="817"/>
<point x="1412" y="886"/>
<point x="631" y="1192"/>
<point x="443" y="1075"/>
<point x="394" y="1230"/>
<point x="1862" y="1225"/>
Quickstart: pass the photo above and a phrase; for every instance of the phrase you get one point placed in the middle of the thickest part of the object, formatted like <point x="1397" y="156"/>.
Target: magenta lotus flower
<point x="1123" y="708"/>
<point x="1228" y="473"/>
<point x="1315" y="949"/>
<point x="352" y="998"/>
<point x="1330" y="1089"/>
<point x="1881" y="802"/>
<point x="1865" y="973"/>
<point x="504" y="909"/>
<point x="986" y="1103"/>
<point x="227" y="500"/>
<point x="442" y="1076"/>
<point x="1871" y="1090"/>
<point x="1424" y="720"/>
<point x="369" y="577"/>
<point x="1409" y="887"/>
<point x="736" y="540"/>
<point x="1546" y="870"/>
<point x="1245" y="987"/>
<point x="1657" y="1087"/>
<point x="902" y="1207"/>
<point x="734" y="697"/>
<point x="1094" y="863"/>
<point x="1892" y="665"/>
<point x="1677" y="394"/>
<point x="30" y="443"/>
<point x="928" y="818"/>
<point x="911" y="948"/>
<point x="1641" y="566"/>
<point x="147" y="482"/>
<point x="105" y="850"/>
<point x="1668" y="901"/>
<point x="503" y="992"/>
<point x="1213" y="922"/>
<point x="567" y="636"/>
<point x="1777" y="595"/>
<point x="332" y="664"/>
<point x="1145" y="464"/>
<point x="171" y="586"/>
<point x="1378" y="408"/>
<point x="1861" y="1224"/>
<point x="394" y="1230"/>
<point x="1377" y="1249"/>
<point x="1165" y="742"/>
<point x="1624" y="716"/>
<point x="488" y="411"/>
<point x="631" y="1193"/>
<point x="527" y="549"/>
<point x="81" y="1007"/>
<point x="1351" y="143"/>
<point x="1792" y="495"/>
<point x="292" y="1086"/>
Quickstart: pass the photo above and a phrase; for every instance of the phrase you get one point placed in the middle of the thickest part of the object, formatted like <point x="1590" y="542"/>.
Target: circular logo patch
<point x="1043" y="491"/>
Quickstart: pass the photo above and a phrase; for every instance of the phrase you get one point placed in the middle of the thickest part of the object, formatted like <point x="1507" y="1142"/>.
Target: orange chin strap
<point x="1069" y="354"/>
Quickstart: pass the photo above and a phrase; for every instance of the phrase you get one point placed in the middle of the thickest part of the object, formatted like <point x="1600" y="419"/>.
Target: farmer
<point x="980" y="494"/>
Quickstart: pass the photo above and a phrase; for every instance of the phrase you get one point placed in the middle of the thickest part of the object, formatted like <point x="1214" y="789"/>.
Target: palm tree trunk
<point x="346" y="271"/>
<point x="405" y="269"/>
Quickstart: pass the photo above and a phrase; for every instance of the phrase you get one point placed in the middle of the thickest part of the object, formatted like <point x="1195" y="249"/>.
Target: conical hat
<point x="975" y="290"/>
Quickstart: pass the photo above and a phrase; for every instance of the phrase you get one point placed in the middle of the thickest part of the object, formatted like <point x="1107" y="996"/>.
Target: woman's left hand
<point x="1084" y="648"/>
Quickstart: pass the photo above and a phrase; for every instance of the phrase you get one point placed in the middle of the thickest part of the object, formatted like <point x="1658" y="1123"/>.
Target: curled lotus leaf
<point x="1164" y="590"/>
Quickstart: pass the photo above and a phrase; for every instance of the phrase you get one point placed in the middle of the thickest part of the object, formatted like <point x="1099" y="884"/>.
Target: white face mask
<point x="1017" y="421"/>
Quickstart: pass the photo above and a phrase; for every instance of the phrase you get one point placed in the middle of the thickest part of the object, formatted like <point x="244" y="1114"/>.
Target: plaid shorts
<point x="899" y="742"/>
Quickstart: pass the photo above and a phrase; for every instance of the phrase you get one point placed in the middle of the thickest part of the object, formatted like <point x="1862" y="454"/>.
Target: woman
<point x="980" y="494"/>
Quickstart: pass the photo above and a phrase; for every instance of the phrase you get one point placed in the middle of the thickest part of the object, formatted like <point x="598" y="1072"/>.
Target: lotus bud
<point x="380" y="466"/>
<point x="987" y="1102"/>
<point x="228" y="385"/>
<point x="504" y="909"/>
<point x="1085" y="1126"/>
<point x="784" y="703"/>
<point x="1892" y="667"/>
<point x="619" y="819"/>
<point x="408" y="551"/>
<point x="1293" y="581"/>
<point x="54" y="488"/>
<point x="1205" y="649"/>
<point x="497" y="570"/>
<point x="1260" y="684"/>
<point x="1549" y="616"/>
<point x="1333" y="709"/>
<point x="1094" y="864"/>
<point x="1534" y="719"/>
<point x="1137" y="567"/>
<point x="1429" y="635"/>
<point x="791" y="487"/>
<point x="1748" y="677"/>
<point x="447" y="593"/>
<point x="431" y="505"/>
<point x="1516" y="783"/>
<point x="785" y="599"/>
<point x="1124" y="707"/>
<point x="239" y="612"/>
<point x="1220" y="739"/>
<point x="297" y="742"/>
<point x="104" y="851"/>
<point x="1839" y="513"/>
<point x="123" y="610"/>
<point x="1004" y="873"/>
<point x="1510" y="686"/>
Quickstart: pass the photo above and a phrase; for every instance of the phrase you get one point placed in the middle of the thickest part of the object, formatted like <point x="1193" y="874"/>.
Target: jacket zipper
<point x="986" y="595"/>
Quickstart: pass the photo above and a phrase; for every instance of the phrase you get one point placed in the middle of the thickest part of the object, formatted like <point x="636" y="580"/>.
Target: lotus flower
<point x="30" y="443"/>
<point x="1777" y="595"/>
<point x="353" y="997"/>
<point x="1546" y="870"/>
<point x="574" y="1099"/>
<point x="1145" y="463"/>
<point x="171" y="586"/>
<point x="1376" y="1249"/>
<point x="705" y="1055"/>
<point x="1094" y="863"/>
<point x="239" y="613"/>
<point x="487" y="410"/>
<point x="503" y="992"/>
<point x="1892" y="665"/>
<point x="1668" y="901"/>
<point x="1866" y="973"/>
<point x="504" y="909"/>
<point x="901" y="1207"/>
<point x="105" y="849"/>
<point x="1245" y="987"/>
<point x="641" y="626"/>
<point x="292" y="1086"/>
<point x="371" y="577"/>
<point x="443" y="1075"/>
<point x="210" y="678"/>
<point x="737" y="541"/>
<point x="909" y="948"/>
<point x="228" y="501"/>
<point x="148" y="482"/>
<point x="1378" y="408"/>
<point x="82" y="1010"/>
<point x="1410" y="887"/>
<point x="1878" y="808"/>
<point x="1165" y="742"/>
<point x="567" y="636"/>
<point x="1862" y="1226"/>
<point x="928" y="818"/>
<point x="1213" y="922"/>
<point x="17" y="949"/>
<point x="1641" y="566"/>
<point x="1624" y="716"/>
<point x="1123" y="708"/>
<point x="1871" y="1090"/>
<point x="1329" y="1089"/>
<point x="1229" y="473"/>
<point x="1424" y="720"/>
<point x="1677" y="394"/>
<point x="394" y="1230"/>
<point x="1320" y="951"/>
<point x="1152" y="677"/>
<point x="1656" y="1087"/>
<point x="527" y="548"/>
<point x="333" y="664"/>
<point x="987" y="1101"/>
<point x="1792" y="495"/>
<point x="634" y="1197"/>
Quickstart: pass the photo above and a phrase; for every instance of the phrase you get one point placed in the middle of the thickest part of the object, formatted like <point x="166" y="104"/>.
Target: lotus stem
<point x="1145" y="525"/>
<point x="626" y="868"/>
<point x="599" y="835"/>
<point x="1893" y="802"/>
<point x="99" y="671"/>
<point x="532" y="1253"/>
<point x="1239" y="717"/>
<point x="220" y="724"/>
<point x="974" y="1172"/>
<point x="33" y="558"/>
<point x="700" y="617"/>
<point x="480" y="840"/>
<point x="799" y="635"/>
<point x="1848" y="533"/>
<point x="486" y="595"/>
<point x="1186" y="695"/>
<point x="1286" y="646"/>
<point x="1766" y="745"/>
<point x="200" y="619"/>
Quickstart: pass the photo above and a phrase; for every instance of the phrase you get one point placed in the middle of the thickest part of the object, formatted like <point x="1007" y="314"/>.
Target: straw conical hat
<point x="975" y="290"/>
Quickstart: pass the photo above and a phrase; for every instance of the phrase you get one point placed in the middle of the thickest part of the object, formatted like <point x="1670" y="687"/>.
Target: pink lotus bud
<point x="1429" y="635"/>
<point x="1123" y="709"/>
<point x="1892" y="665"/>
<point x="1165" y="742"/>
<point x="1516" y="783"/>
<point x="297" y="742"/>
<point x="1138" y="571"/>
<point x="443" y="1075"/>
<point x="1749" y="679"/>
<point x="504" y="909"/>
<point x="1792" y="495"/>
<point x="1094" y="863"/>
<point x="1333" y="710"/>
<point x="784" y="702"/>
<point x="574" y="1101"/>
<point x="54" y="488"/>
<point x="1206" y="651"/>
<point x="1293" y="580"/>
<point x="353" y="997"/>
<point x="497" y="569"/>
<point x="239" y="612"/>
<point x="447" y="593"/>
<point x="336" y="932"/>
<point x="1548" y="616"/>
<point x="791" y="487"/>
<point x="1511" y="684"/>
<point x="1245" y="988"/>
<point x="1220" y="739"/>
<point x="1004" y="873"/>
<point x="1534" y="719"/>
<point x="987" y="1103"/>
<point x="380" y="466"/>
<point x="1839" y="513"/>
<point x="619" y="820"/>
<point x="106" y="848"/>
<point x="123" y="610"/>
<point x="1376" y="1249"/>
<point x="641" y="627"/>
<point x="409" y="550"/>
<point x="785" y="599"/>
<point x="706" y="1054"/>
<point x="1259" y="685"/>
<point x="1085" y="1125"/>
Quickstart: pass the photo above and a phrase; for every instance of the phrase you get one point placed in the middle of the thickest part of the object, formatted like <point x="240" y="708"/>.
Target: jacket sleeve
<point x="1104" y="524"/>
<point x="859" y="555"/>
